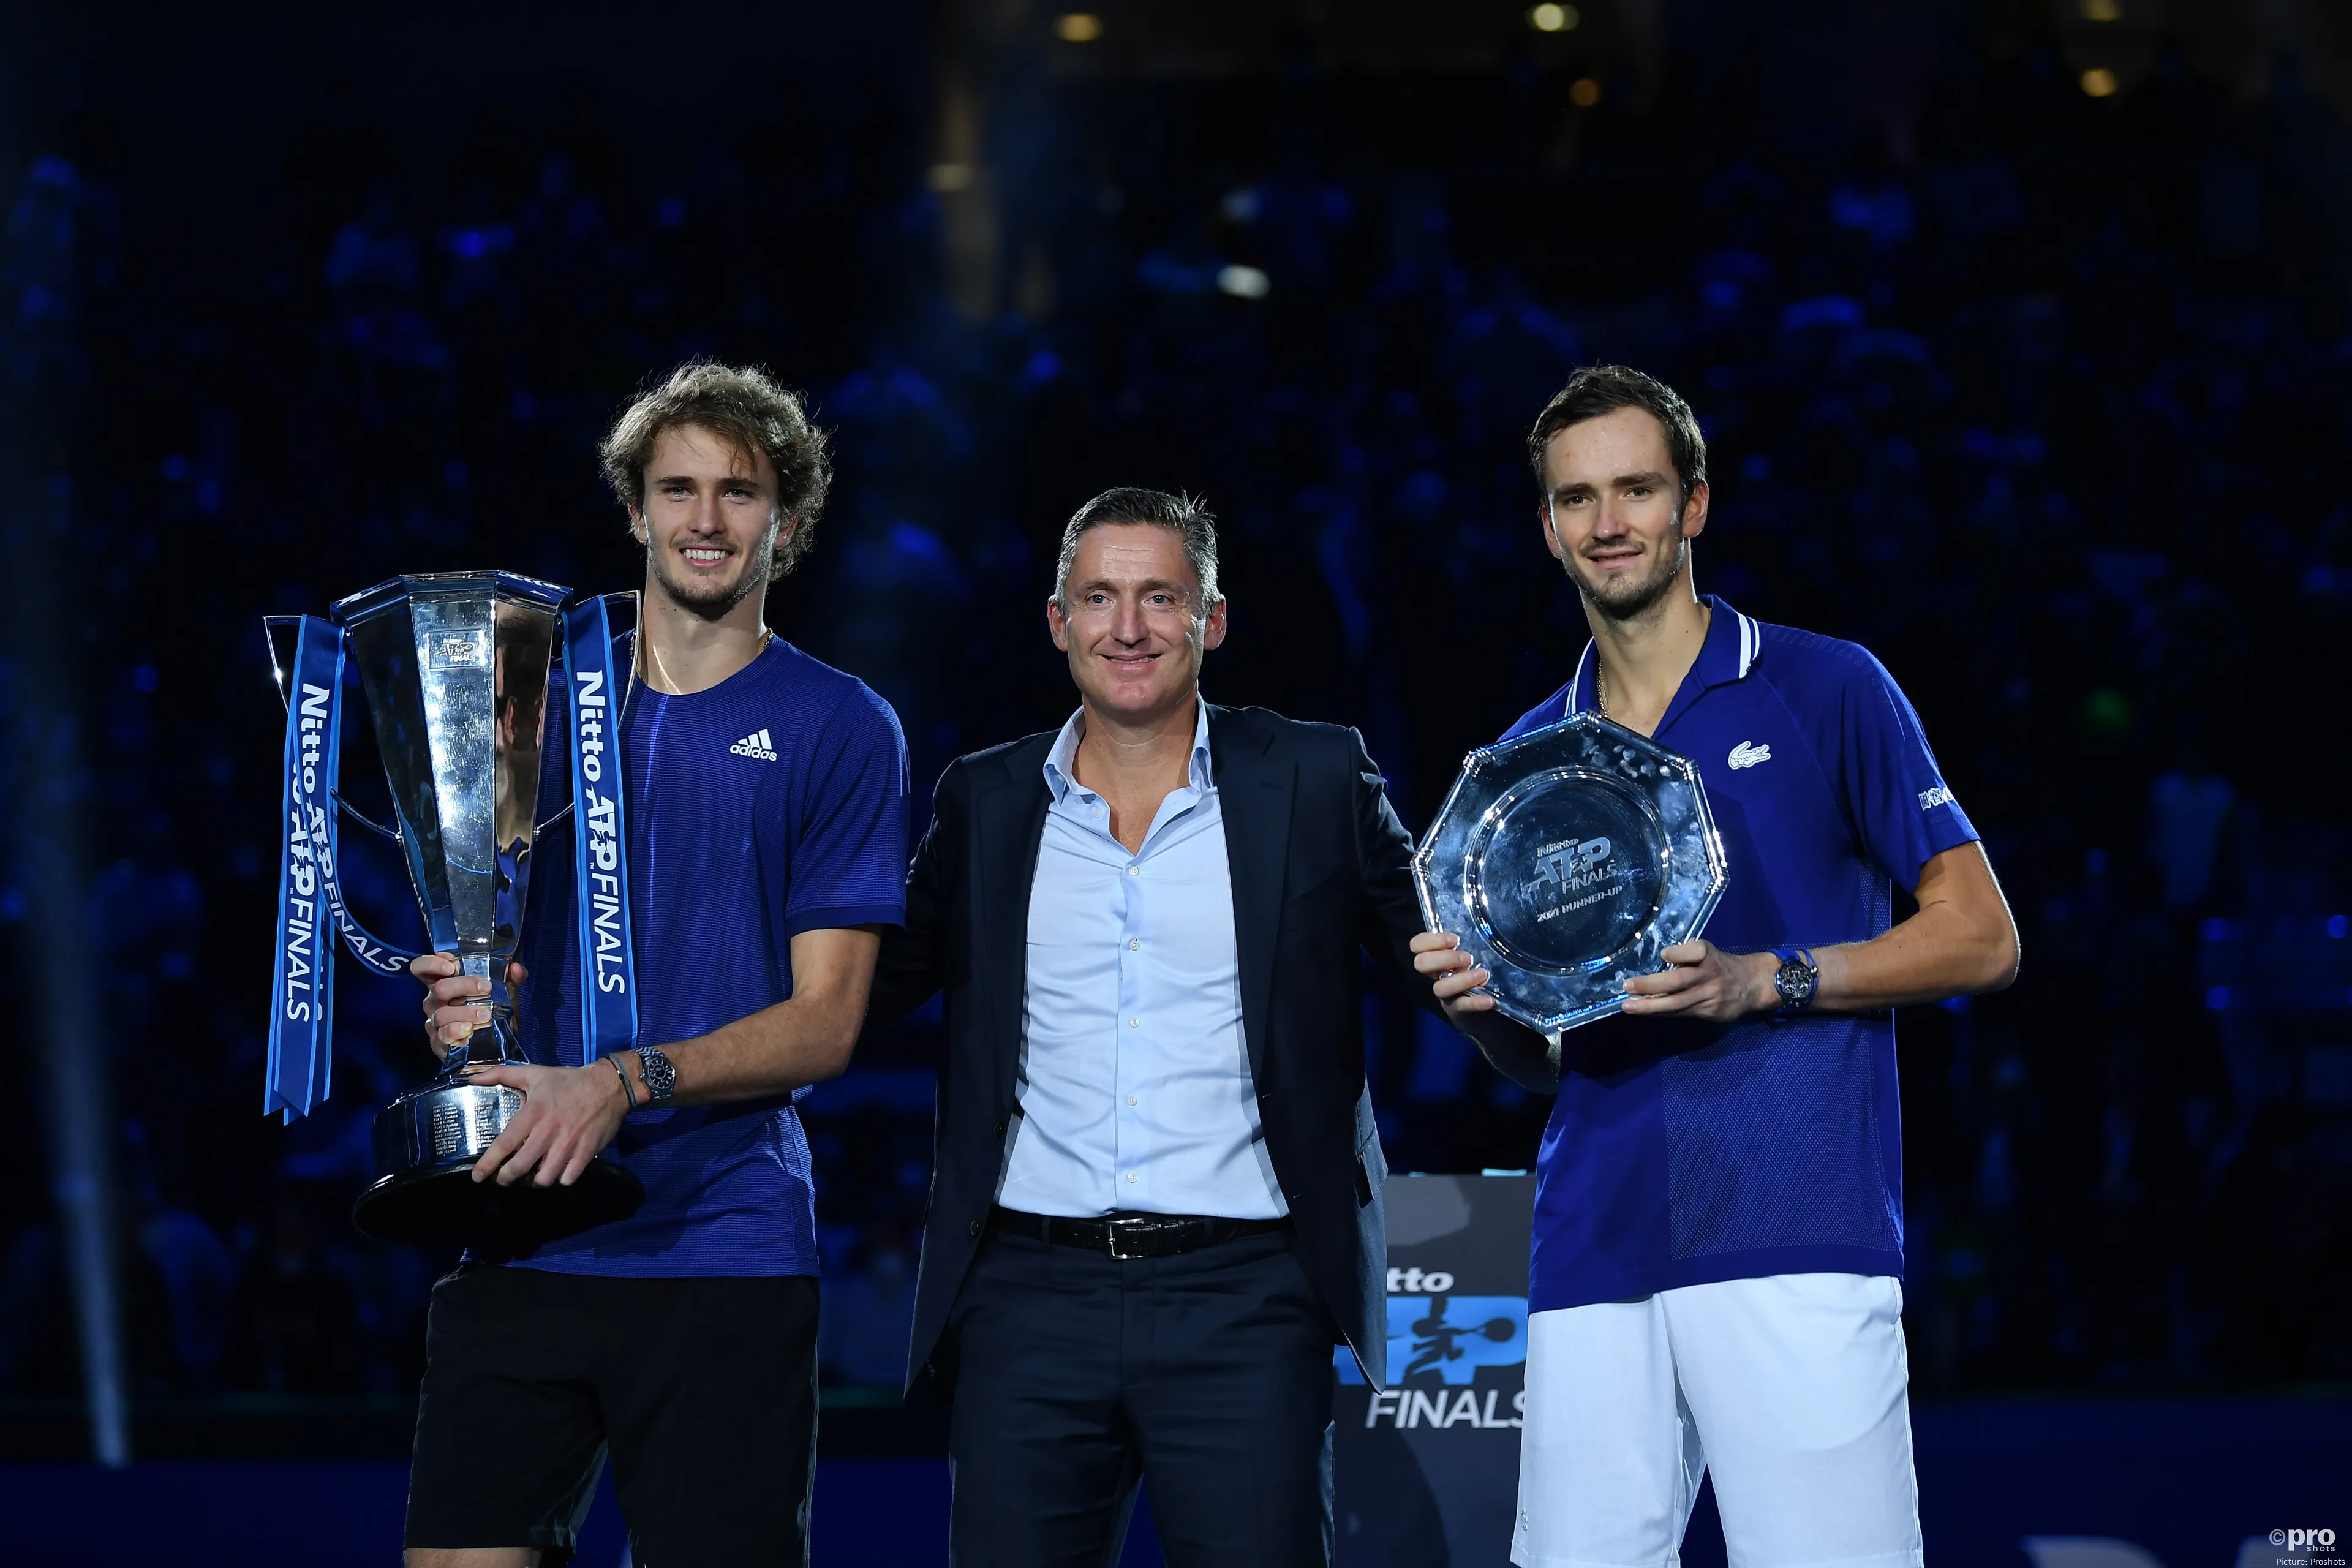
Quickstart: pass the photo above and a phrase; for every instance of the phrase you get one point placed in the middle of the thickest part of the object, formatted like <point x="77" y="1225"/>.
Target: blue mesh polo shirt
<point x="1682" y="1153"/>
<point x="772" y="803"/>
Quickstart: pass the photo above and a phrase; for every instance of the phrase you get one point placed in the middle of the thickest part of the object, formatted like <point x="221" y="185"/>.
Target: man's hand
<point x="1456" y="974"/>
<point x="1526" y="1057"/>
<point x="456" y="1004"/>
<point x="1704" y="981"/>
<point x="569" y="1114"/>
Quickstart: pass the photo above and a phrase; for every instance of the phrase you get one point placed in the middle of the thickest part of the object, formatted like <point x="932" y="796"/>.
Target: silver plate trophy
<point x="1566" y="860"/>
<point x="455" y="666"/>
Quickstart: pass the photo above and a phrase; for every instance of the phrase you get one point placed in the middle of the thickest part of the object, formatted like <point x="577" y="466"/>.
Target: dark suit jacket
<point x="1320" y="868"/>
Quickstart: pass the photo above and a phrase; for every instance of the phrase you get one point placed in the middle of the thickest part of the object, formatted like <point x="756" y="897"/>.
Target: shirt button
<point x="975" y="1227"/>
<point x="1131" y="1100"/>
<point x="1133" y="942"/>
<point x="1134" y="871"/>
<point x="1135" y="1023"/>
<point x="1130" y="1176"/>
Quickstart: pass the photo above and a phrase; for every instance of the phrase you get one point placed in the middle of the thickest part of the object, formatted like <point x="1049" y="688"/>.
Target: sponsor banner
<point x="600" y="834"/>
<point x="1427" y="1469"/>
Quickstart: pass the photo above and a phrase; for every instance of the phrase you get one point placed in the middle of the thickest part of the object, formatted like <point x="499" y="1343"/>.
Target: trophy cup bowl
<point x="1566" y="859"/>
<point x="454" y="666"/>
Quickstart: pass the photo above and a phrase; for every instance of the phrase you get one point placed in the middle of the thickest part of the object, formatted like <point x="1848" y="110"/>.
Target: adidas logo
<point x="755" y="745"/>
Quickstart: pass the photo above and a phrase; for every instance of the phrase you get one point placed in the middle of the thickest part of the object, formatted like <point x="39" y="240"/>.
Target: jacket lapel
<point x="1009" y="820"/>
<point x="1253" y="794"/>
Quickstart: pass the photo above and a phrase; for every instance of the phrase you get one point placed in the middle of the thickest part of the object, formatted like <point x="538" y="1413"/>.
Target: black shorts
<point x="703" y="1389"/>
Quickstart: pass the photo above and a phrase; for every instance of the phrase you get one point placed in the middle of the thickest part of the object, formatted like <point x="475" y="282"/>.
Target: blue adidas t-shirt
<point x="1681" y="1152"/>
<point x="772" y="803"/>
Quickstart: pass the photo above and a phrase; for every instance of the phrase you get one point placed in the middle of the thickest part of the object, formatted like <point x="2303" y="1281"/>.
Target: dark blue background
<point x="2036" y="392"/>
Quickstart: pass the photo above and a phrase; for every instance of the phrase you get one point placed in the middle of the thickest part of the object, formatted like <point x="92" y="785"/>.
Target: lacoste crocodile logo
<point x="1747" y="754"/>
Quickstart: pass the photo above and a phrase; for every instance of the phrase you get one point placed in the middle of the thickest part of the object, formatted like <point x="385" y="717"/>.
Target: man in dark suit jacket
<point x="1156" y="1198"/>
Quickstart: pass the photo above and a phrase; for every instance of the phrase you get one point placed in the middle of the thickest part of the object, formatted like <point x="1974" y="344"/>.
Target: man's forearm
<point x="1938" y="952"/>
<point x="1961" y="941"/>
<point x="908" y="973"/>
<point x="1517" y="1052"/>
<point x="772" y="1052"/>
<point x="804" y="1039"/>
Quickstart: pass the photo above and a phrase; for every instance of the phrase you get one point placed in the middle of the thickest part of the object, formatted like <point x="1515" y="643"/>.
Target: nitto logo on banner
<point x="1415" y="1281"/>
<point x="302" y="855"/>
<point x="604" y="849"/>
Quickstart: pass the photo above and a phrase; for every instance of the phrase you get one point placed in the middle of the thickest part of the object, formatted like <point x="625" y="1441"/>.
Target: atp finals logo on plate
<point x="1568" y="868"/>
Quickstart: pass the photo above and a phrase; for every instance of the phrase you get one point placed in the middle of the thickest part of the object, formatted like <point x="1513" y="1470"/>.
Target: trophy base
<point x="427" y="1143"/>
<point x="444" y="1206"/>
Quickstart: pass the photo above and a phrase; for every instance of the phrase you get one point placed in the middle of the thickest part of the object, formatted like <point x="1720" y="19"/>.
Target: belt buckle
<point x="1114" y="1227"/>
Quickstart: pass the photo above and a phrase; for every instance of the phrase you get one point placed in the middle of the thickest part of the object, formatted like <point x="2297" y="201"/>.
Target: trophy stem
<point x="492" y="967"/>
<point x="489" y="1045"/>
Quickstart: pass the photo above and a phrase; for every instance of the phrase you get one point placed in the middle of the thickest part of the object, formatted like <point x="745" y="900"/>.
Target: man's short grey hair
<point x="1193" y="522"/>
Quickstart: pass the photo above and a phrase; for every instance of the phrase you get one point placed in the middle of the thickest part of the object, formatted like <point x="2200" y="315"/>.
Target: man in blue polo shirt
<point x="767" y="848"/>
<point x="1717" y="1259"/>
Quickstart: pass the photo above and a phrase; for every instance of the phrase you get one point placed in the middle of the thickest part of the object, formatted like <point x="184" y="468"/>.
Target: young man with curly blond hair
<point x="767" y="850"/>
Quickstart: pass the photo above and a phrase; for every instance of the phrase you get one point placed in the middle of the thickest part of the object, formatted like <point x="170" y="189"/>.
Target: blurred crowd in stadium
<point x="2039" y="395"/>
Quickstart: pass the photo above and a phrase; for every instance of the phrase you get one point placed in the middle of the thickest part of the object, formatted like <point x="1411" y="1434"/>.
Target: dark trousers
<point x="1207" y="1376"/>
<point x="703" y="1389"/>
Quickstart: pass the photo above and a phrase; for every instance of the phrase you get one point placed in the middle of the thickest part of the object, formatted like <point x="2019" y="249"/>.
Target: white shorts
<point x="1792" y="1389"/>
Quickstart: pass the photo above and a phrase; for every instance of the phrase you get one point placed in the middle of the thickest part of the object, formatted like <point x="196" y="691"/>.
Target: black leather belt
<point x="1128" y="1236"/>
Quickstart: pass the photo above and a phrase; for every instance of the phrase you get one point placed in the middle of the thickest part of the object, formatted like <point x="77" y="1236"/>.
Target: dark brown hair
<point x="1599" y="389"/>
<point x="747" y="407"/>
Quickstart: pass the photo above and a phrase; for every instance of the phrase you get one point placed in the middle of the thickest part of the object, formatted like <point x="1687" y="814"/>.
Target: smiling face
<point x="1131" y="622"/>
<point x="1614" y="514"/>
<point x="707" y="519"/>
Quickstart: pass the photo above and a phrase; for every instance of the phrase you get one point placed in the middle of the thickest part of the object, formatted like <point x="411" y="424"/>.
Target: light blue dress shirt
<point x="1134" y="1089"/>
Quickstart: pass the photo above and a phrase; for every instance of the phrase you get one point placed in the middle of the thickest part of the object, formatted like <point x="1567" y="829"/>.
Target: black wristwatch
<point x="661" y="1079"/>
<point x="1797" y="979"/>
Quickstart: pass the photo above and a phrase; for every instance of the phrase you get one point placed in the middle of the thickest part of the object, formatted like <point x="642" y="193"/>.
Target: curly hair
<point x="745" y="407"/>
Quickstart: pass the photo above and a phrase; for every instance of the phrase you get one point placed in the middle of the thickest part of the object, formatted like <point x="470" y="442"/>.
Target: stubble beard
<point x="713" y="603"/>
<point x="1623" y="601"/>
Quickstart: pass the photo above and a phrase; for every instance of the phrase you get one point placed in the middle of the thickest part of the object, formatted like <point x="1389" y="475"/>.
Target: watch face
<point x="660" y="1078"/>
<point x="1795" y="984"/>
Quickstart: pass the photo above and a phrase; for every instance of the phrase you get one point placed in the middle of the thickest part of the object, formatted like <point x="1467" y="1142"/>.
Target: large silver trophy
<point x="455" y="666"/>
<point x="1566" y="859"/>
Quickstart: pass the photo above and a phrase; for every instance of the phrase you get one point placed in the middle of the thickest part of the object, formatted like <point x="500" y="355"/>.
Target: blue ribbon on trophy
<point x="457" y="669"/>
<point x="600" y="839"/>
<point x="310" y="894"/>
<point x="301" y="1029"/>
